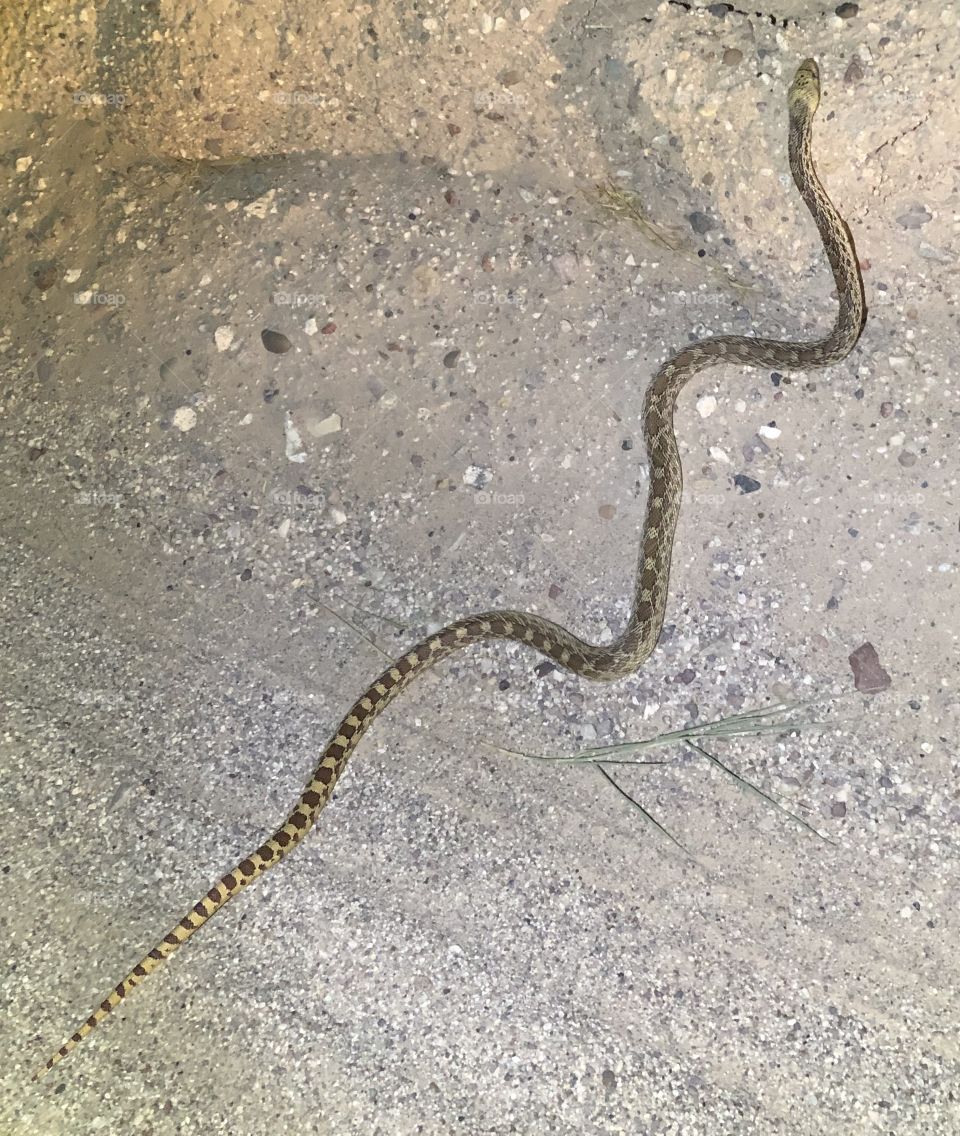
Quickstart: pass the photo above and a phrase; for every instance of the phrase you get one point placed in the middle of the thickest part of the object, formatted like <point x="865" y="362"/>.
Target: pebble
<point x="477" y="476"/>
<point x="184" y="418"/>
<point x="294" y="443"/>
<point x="869" y="677"/>
<point x="223" y="337"/>
<point x="915" y="217"/>
<point x="706" y="405"/>
<point x="332" y="424"/>
<point x="746" y="484"/>
<point x="275" y="341"/>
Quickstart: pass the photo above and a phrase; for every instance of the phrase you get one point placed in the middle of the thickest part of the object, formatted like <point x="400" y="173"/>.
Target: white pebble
<point x="329" y="425"/>
<point x="706" y="405"/>
<point x="184" y="418"/>
<point x="294" y="443"/>
<point x="223" y="337"/>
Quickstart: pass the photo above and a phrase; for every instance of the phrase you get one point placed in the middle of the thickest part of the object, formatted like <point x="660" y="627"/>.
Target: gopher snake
<point x="625" y="654"/>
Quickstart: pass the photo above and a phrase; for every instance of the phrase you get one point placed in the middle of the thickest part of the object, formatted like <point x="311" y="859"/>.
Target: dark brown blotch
<point x="312" y="799"/>
<point x="229" y="882"/>
<point x="156" y="954"/>
<point x="247" y="867"/>
<point x="324" y="775"/>
<point x="139" y="970"/>
<point x="171" y="939"/>
<point x="298" y="820"/>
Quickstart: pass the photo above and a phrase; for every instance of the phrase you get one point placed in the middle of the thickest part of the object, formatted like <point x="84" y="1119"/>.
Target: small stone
<point x="275" y="341"/>
<point x="854" y="71"/>
<point x="184" y="418"/>
<point x="701" y="223"/>
<point x="907" y="458"/>
<point x="847" y="11"/>
<point x="607" y="512"/>
<point x="886" y="409"/>
<point x="746" y="484"/>
<point x="915" y="217"/>
<point x="732" y="56"/>
<point x="332" y="424"/>
<point x="566" y="266"/>
<point x="869" y="677"/>
<point x="451" y="357"/>
<point x="223" y="337"/>
<point x="477" y="476"/>
<point x="838" y="809"/>
<point x="511" y="78"/>
<point x="706" y="405"/>
<point x="294" y="443"/>
<point x="45" y="277"/>
<point x="328" y="329"/>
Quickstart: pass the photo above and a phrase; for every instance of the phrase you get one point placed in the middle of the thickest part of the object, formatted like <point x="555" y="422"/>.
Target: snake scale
<point x="632" y="648"/>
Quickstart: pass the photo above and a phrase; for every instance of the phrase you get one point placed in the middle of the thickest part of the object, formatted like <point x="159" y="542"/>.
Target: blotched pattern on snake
<point x="626" y="653"/>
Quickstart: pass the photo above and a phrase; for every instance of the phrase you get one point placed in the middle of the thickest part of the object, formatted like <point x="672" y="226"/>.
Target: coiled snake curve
<point x="626" y="653"/>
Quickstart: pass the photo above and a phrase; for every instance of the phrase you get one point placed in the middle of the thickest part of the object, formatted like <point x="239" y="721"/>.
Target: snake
<point x="604" y="662"/>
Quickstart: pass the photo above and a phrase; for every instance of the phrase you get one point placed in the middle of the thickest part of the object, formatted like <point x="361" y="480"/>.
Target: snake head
<point x="804" y="93"/>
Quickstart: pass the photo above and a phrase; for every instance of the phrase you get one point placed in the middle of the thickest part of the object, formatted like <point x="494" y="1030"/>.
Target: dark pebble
<point x="701" y="223"/>
<point x="869" y="677"/>
<point x="275" y="341"/>
<point x="746" y="484"/>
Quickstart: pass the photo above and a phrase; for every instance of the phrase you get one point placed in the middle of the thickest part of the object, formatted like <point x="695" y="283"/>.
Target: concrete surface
<point x="469" y="942"/>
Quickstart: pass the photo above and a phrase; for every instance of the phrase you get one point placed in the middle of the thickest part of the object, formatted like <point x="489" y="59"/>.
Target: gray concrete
<point x="471" y="942"/>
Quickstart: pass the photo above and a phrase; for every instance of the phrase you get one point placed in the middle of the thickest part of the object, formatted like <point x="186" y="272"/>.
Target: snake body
<point x="631" y="649"/>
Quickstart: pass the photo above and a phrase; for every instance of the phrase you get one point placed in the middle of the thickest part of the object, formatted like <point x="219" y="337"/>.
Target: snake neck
<point x="837" y="243"/>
